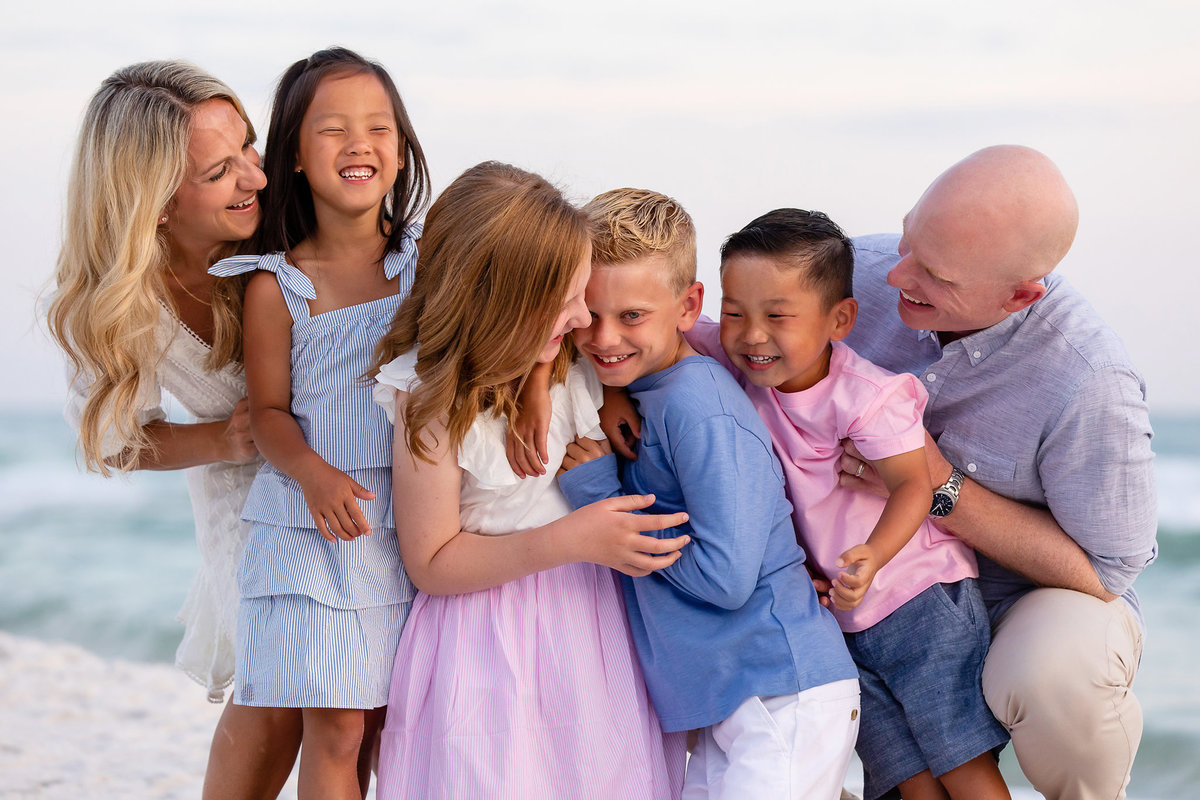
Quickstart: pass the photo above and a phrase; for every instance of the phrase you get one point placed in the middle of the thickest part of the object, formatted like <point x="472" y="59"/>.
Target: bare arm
<point x="1022" y="538"/>
<point x="909" y="496"/>
<point x="329" y="492"/>
<point x="182" y="445"/>
<point x="1019" y="537"/>
<point x="525" y="443"/>
<point x="441" y="558"/>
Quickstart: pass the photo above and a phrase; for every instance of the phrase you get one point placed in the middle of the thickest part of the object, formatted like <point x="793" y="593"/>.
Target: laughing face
<point x="636" y="320"/>
<point x="218" y="199"/>
<point x="349" y="145"/>
<point x="945" y="277"/>
<point x="574" y="313"/>
<point x="775" y="329"/>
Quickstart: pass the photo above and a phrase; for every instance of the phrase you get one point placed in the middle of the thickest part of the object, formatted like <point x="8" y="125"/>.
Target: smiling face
<point x="944" y="283"/>
<point x="349" y="144"/>
<point x="574" y="313"/>
<point x="978" y="242"/>
<point x="774" y="329"/>
<point x="637" y="320"/>
<point x="218" y="199"/>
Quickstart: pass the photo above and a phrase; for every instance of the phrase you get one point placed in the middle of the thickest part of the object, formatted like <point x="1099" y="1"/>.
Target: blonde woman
<point x="165" y="181"/>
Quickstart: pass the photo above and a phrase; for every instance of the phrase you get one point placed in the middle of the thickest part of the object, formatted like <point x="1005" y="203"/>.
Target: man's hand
<point x="858" y="473"/>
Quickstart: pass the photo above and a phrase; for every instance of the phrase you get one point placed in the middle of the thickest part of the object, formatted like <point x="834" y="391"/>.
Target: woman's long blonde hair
<point x="131" y="159"/>
<point x="500" y="249"/>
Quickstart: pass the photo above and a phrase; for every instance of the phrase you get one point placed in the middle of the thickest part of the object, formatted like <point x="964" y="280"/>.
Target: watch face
<point x="943" y="504"/>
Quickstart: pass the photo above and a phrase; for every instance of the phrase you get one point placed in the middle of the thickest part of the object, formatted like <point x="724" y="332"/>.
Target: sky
<point x="851" y="108"/>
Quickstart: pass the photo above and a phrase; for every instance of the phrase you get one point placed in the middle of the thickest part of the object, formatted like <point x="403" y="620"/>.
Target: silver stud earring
<point x="162" y="220"/>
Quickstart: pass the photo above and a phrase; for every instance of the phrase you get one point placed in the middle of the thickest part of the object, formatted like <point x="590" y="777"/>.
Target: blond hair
<point x="498" y="254"/>
<point x="130" y="160"/>
<point x="627" y="224"/>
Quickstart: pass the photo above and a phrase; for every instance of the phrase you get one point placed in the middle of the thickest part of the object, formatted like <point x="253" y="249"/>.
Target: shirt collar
<point x="981" y="344"/>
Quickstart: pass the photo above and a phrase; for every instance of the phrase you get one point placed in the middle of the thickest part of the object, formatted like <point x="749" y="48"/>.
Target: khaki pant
<point x="1059" y="676"/>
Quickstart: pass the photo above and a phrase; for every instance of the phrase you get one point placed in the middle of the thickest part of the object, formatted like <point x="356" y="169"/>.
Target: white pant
<point x="789" y="746"/>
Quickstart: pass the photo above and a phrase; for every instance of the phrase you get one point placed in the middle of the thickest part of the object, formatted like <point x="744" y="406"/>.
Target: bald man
<point x="1042" y="453"/>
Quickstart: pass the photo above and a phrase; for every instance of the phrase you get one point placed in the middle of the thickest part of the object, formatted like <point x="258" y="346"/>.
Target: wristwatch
<point x="946" y="495"/>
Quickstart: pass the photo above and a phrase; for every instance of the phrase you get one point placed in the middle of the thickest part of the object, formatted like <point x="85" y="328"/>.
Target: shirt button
<point x="977" y="354"/>
<point x="971" y="467"/>
<point x="931" y="377"/>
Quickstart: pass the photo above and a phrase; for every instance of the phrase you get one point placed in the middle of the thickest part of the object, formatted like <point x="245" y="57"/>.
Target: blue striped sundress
<point x="319" y="621"/>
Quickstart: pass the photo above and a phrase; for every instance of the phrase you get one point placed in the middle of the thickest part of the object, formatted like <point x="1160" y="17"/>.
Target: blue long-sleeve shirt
<point x="736" y="616"/>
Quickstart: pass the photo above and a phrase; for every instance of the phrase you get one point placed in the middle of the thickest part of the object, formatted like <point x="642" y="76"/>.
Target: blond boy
<point x="731" y="637"/>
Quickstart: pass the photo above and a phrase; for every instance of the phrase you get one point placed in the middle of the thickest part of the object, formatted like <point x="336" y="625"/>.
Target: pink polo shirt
<point x="879" y="412"/>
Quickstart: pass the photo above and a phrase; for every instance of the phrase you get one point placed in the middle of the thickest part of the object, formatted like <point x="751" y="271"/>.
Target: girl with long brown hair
<point x="515" y="675"/>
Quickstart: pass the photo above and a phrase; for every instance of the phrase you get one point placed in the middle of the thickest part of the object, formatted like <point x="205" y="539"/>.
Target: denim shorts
<point x="919" y="670"/>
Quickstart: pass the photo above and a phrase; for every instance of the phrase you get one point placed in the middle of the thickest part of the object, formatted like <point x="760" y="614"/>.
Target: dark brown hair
<point x="287" y="203"/>
<point x="805" y="240"/>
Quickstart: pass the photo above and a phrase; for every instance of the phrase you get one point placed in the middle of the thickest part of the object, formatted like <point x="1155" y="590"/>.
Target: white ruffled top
<point x="493" y="500"/>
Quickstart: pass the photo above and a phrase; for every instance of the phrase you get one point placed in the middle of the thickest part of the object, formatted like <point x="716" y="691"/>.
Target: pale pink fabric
<point x="531" y="689"/>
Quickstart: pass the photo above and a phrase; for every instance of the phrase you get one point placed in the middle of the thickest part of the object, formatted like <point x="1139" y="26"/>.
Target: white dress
<point x="218" y="492"/>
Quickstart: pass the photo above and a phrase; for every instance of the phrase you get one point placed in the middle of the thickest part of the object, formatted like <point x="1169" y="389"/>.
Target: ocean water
<point x="105" y="564"/>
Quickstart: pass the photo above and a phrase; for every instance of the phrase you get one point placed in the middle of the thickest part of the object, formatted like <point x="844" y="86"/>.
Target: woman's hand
<point x="237" y="437"/>
<point x="821" y="584"/>
<point x="608" y="533"/>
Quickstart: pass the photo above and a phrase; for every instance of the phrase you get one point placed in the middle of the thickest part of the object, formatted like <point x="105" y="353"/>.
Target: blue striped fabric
<point x="342" y="423"/>
<point x="287" y="560"/>
<point x="297" y="653"/>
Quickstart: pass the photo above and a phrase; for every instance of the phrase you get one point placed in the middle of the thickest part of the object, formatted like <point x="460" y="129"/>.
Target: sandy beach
<point x="74" y="725"/>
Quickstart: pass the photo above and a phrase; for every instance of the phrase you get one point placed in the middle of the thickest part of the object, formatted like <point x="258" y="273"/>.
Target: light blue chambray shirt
<point x="1043" y="407"/>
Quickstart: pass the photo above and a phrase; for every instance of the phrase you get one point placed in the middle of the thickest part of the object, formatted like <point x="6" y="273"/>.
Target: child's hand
<point x="620" y="422"/>
<point x="236" y="436"/>
<point x="821" y="584"/>
<point x="607" y="533"/>
<point x="330" y="495"/>
<point x="859" y="565"/>
<point x="525" y="443"/>
<point x="583" y="450"/>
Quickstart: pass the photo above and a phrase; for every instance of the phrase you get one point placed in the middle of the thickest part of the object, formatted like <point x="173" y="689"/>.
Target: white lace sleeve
<point x="149" y="410"/>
